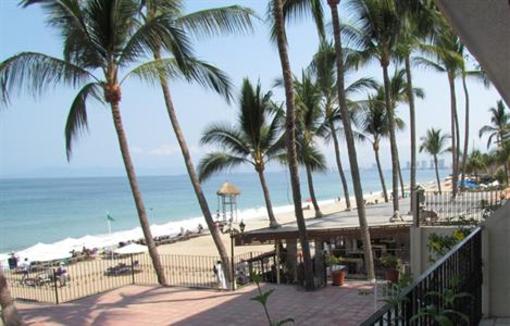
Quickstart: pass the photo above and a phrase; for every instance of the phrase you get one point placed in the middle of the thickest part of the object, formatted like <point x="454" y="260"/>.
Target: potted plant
<point x="392" y="264"/>
<point x="337" y="271"/>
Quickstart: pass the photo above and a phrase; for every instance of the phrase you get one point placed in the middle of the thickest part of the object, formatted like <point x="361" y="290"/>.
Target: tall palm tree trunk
<point x="412" y="120"/>
<point x="379" y="168"/>
<point x="437" y="174"/>
<point x="453" y="109"/>
<point x="466" y="130"/>
<point x="137" y="195"/>
<point x="393" y="140"/>
<point x="290" y="127"/>
<point x="273" y="223"/>
<point x="311" y="190"/>
<point x="9" y="315"/>
<point x="202" y="201"/>
<point x="401" y="180"/>
<point x="340" y="168"/>
<point x="351" y="148"/>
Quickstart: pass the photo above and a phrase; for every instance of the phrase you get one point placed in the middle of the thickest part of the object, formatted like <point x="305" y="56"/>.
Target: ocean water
<point x="48" y="210"/>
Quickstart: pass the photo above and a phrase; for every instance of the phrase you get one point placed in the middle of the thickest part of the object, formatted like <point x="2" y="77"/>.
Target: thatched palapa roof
<point x="228" y="189"/>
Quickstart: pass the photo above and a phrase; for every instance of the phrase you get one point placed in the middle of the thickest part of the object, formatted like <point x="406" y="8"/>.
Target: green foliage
<point x="442" y="310"/>
<point x="332" y="260"/>
<point x="390" y="261"/>
<point x="263" y="297"/>
<point x="440" y="245"/>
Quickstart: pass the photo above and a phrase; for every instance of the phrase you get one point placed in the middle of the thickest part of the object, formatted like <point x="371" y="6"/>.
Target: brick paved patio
<point x="140" y="305"/>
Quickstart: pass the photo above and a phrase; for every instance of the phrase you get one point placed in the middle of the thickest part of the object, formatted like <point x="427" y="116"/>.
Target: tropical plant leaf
<point x="77" y="117"/>
<point x="215" y="162"/>
<point x="218" y="21"/>
<point x="34" y="73"/>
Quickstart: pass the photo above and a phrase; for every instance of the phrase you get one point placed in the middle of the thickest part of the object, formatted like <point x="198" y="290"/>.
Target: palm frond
<point x="34" y="73"/>
<point x="218" y="21"/>
<point x="429" y="64"/>
<point x="227" y="137"/>
<point x="294" y="10"/>
<point x="157" y="33"/>
<point x="77" y="118"/>
<point x="216" y="162"/>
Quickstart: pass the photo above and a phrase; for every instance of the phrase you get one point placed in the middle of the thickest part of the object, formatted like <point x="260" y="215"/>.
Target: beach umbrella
<point x="132" y="248"/>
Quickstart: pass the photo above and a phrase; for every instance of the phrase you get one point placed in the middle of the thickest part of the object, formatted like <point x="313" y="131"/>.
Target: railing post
<point x="55" y="286"/>
<point x="232" y="264"/>
<point x="132" y="269"/>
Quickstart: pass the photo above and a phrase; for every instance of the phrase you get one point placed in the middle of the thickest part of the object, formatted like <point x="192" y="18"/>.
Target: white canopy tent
<point x="132" y="248"/>
<point x="44" y="252"/>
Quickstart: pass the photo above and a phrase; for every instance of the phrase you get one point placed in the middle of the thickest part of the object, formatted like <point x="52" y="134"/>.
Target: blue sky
<point x="32" y="130"/>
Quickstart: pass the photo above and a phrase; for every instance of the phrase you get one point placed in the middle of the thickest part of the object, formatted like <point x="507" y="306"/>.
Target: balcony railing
<point x="466" y="207"/>
<point x="450" y="288"/>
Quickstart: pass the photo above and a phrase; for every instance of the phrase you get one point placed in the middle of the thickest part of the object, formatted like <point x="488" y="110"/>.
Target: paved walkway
<point x="139" y="305"/>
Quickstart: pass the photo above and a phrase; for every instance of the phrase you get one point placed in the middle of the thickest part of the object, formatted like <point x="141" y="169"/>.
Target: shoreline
<point x="254" y="217"/>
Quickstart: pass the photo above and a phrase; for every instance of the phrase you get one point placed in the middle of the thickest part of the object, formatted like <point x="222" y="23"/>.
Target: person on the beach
<point x="13" y="261"/>
<point x="220" y="275"/>
<point x="61" y="274"/>
<point x="25" y="268"/>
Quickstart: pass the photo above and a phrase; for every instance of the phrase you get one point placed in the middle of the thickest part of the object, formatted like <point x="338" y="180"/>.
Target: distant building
<point x="441" y="164"/>
<point x="423" y="164"/>
<point x="408" y="165"/>
<point x="431" y="164"/>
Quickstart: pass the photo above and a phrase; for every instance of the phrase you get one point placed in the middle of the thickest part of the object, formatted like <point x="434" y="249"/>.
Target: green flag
<point x="109" y="217"/>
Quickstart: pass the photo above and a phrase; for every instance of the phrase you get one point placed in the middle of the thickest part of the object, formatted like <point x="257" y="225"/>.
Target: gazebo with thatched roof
<point x="227" y="202"/>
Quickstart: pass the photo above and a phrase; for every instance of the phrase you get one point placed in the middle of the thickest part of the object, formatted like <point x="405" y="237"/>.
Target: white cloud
<point x="164" y="150"/>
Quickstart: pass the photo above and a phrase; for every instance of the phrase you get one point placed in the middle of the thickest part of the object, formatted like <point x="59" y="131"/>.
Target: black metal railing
<point x="46" y="283"/>
<point x="452" y="287"/>
<point x="468" y="206"/>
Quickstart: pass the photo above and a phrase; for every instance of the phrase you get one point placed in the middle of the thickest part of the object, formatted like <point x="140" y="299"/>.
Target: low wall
<point x="496" y="263"/>
<point x="420" y="253"/>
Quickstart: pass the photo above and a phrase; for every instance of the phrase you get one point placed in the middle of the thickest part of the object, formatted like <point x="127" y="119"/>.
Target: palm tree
<point x="8" y="313"/>
<point x="255" y="140"/>
<point x="279" y="11"/>
<point x="434" y="143"/>
<point x="323" y="67"/>
<point x="447" y="58"/>
<point x="204" y="23"/>
<point x="376" y="32"/>
<point x="374" y="125"/>
<point x="475" y="163"/>
<point x="104" y="36"/>
<point x="500" y="120"/>
<point x="399" y="93"/>
<point x="309" y="120"/>
<point x="417" y="22"/>
<point x="349" y="138"/>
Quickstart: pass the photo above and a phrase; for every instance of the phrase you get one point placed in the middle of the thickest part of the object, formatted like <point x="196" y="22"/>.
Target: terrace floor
<point x="144" y="305"/>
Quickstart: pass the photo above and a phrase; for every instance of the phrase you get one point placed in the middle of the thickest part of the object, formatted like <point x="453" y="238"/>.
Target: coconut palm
<point x="375" y="31"/>
<point x="475" y="163"/>
<point x="349" y="138"/>
<point x="417" y="23"/>
<point x="8" y="313"/>
<point x="434" y="143"/>
<point x="204" y="23"/>
<point x="374" y="125"/>
<point x="254" y="140"/>
<point x="323" y="68"/>
<point x="105" y="36"/>
<point x="309" y="120"/>
<point x="497" y="131"/>
<point x="499" y="124"/>
<point x="399" y="94"/>
<point x="444" y="56"/>
<point x="278" y="12"/>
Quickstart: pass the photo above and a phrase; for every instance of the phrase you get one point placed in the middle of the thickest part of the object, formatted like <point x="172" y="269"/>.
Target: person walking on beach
<point x="25" y="268"/>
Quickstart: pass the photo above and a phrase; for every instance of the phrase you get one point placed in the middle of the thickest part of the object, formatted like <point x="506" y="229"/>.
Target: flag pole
<point x="109" y="223"/>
